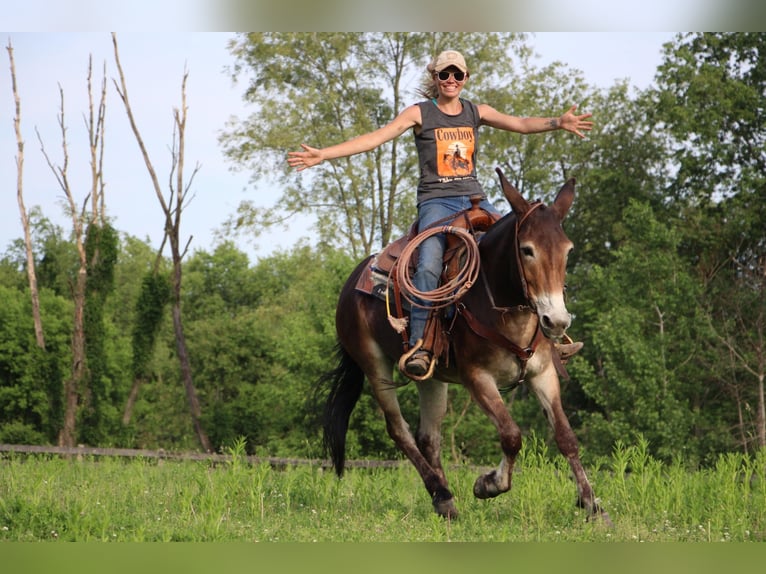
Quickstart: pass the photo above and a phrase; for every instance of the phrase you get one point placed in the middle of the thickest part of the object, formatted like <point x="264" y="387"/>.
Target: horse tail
<point x="346" y="382"/>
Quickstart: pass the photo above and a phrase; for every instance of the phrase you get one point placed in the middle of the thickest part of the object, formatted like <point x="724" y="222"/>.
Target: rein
<point x="493" y="336"/>
<point x="522" y="273"/>
<point x="519" y="222"/>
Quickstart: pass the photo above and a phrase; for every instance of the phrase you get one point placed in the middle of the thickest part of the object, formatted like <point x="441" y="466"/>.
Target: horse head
<point x="542" y="249"/>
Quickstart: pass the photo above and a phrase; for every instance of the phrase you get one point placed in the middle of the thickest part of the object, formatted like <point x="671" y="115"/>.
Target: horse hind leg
<point x="432" y="397"/>
<point x="346" y="382"/>
<point x="433" y="407"/>
<point x="433" y="476"/>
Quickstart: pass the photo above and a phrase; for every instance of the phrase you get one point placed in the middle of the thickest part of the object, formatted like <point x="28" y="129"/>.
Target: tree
<point x="101" y="251"/>
<point x="76" y="386"/>
<point x="730" y="259"/>
<point x="625" y="160"/>
<point x="259" y="338"/>
<point x="720" y="193"/>
<point x="137" y="310"/>
<point x="31" y="406"/>
<point x="323" y="88"/>
<point x="150" y="305"/>
<point x="739" y="325"/>
<point x="723" y="76"/>
<point x="642" y="317"/>
<point x="172" y="207"/>
<point x="31" y="275"/>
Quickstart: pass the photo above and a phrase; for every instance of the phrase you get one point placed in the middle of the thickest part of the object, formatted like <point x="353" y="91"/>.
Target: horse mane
<point x="504" y="280"/>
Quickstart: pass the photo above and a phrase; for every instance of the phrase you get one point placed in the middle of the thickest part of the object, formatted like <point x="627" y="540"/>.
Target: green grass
<point x="109" y="499"/>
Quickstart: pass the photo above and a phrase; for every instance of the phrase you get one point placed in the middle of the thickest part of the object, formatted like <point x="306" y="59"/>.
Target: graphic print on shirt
<point x="454" y="151"/>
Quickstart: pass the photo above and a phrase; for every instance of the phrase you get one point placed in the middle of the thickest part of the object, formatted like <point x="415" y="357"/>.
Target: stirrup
<point x="408" y="355"/>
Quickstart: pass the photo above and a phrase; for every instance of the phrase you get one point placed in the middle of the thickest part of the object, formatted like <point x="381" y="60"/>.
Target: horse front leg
<point x="548" y="392"/>
<point x="497" y="481"/>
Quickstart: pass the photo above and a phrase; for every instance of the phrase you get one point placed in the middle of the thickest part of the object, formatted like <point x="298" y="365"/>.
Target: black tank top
<point x="447" y="148"/>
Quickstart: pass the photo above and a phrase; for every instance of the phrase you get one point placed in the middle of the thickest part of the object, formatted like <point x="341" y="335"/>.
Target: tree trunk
<point x="73" y="385"/>
<point x="31" y="275"/>
<point x="761" y="416"/>
<point x="130" y="403"/>
<point x="186" y="376"/>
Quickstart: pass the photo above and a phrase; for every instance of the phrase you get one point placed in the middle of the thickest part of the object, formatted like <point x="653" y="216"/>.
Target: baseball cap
<point x="449" y="58"/>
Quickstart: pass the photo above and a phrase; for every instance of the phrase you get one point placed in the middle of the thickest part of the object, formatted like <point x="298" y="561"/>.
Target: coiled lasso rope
<point x="446" y="293"/>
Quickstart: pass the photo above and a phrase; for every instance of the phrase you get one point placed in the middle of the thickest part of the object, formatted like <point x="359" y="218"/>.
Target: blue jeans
<point x="431" y="251"/>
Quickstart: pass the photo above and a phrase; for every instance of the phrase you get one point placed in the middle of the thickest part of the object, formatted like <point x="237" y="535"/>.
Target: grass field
<point x="45" y="498"/>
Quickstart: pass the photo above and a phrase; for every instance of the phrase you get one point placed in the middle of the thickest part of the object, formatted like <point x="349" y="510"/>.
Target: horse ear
<point x="518" y="203"/>
<point x="564" y="198"/>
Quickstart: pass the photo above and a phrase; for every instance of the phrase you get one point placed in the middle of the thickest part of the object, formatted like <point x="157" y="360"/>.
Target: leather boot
<point x="566" y="350"/>
<point x="418" y="364"/>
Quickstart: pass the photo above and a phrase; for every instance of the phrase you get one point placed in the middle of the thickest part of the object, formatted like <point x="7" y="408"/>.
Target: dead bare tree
<point x="172" y="207"/>
<point x="31" y="274"/>
<point x="74" y="386"/>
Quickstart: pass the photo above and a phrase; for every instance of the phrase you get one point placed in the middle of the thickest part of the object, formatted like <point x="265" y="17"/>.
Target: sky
<point x="154" y="64"/>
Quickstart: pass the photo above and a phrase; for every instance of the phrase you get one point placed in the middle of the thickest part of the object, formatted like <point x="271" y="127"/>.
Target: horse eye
<point x="527" y="251"/>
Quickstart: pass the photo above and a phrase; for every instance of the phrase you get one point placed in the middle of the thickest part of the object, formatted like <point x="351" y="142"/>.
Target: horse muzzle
<point x="554" y="317"/>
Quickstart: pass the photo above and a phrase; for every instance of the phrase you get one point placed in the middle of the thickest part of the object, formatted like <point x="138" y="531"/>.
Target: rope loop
<point x="453" y="289"/>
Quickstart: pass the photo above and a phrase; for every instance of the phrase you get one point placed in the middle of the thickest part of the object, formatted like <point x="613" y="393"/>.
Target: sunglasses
<point x="459" y="76"/>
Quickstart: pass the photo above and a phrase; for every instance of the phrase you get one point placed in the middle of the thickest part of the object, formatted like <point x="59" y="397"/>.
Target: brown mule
<point x="504" y="332"/>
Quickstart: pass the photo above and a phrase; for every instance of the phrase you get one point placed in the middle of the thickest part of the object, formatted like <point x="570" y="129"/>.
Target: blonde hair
<point x="428" y="89"/>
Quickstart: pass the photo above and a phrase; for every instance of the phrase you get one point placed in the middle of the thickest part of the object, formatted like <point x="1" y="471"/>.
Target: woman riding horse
<point x="446" y="130"/>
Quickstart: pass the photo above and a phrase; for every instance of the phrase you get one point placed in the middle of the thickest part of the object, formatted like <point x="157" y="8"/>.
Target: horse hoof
<point x="446" y="509"/>
<point x="486" y="486"/>
<point x="603" y="515"/>
<point x="595" y="512"/>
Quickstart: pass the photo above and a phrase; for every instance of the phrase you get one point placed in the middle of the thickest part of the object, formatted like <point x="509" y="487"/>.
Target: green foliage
<point x="719" y="75"/>
<point x="642" y="316"/>
<point x="719" y="190"/>
<point x="30" y="378"/>
<point x="623" y="160"/>
<point x="154" y="296"/>
<point x="258" y="338"/>
<point x="101" y="252"/>
<point x="56" y="257"/>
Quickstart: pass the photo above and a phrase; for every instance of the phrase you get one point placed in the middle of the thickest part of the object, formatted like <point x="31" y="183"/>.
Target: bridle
<point x="529" y="305"/>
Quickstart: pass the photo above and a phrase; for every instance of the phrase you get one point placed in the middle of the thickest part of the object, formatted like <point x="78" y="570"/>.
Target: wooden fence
<point x="277" y="462"/>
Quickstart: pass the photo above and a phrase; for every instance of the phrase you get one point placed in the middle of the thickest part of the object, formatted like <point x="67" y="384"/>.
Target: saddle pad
<point x="372" y="281"/>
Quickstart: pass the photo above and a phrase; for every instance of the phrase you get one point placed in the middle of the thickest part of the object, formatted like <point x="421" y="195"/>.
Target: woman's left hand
<point x="575" y="124"/>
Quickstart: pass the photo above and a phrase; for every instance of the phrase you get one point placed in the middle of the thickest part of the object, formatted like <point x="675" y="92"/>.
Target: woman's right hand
<point x="309" y="157"/>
